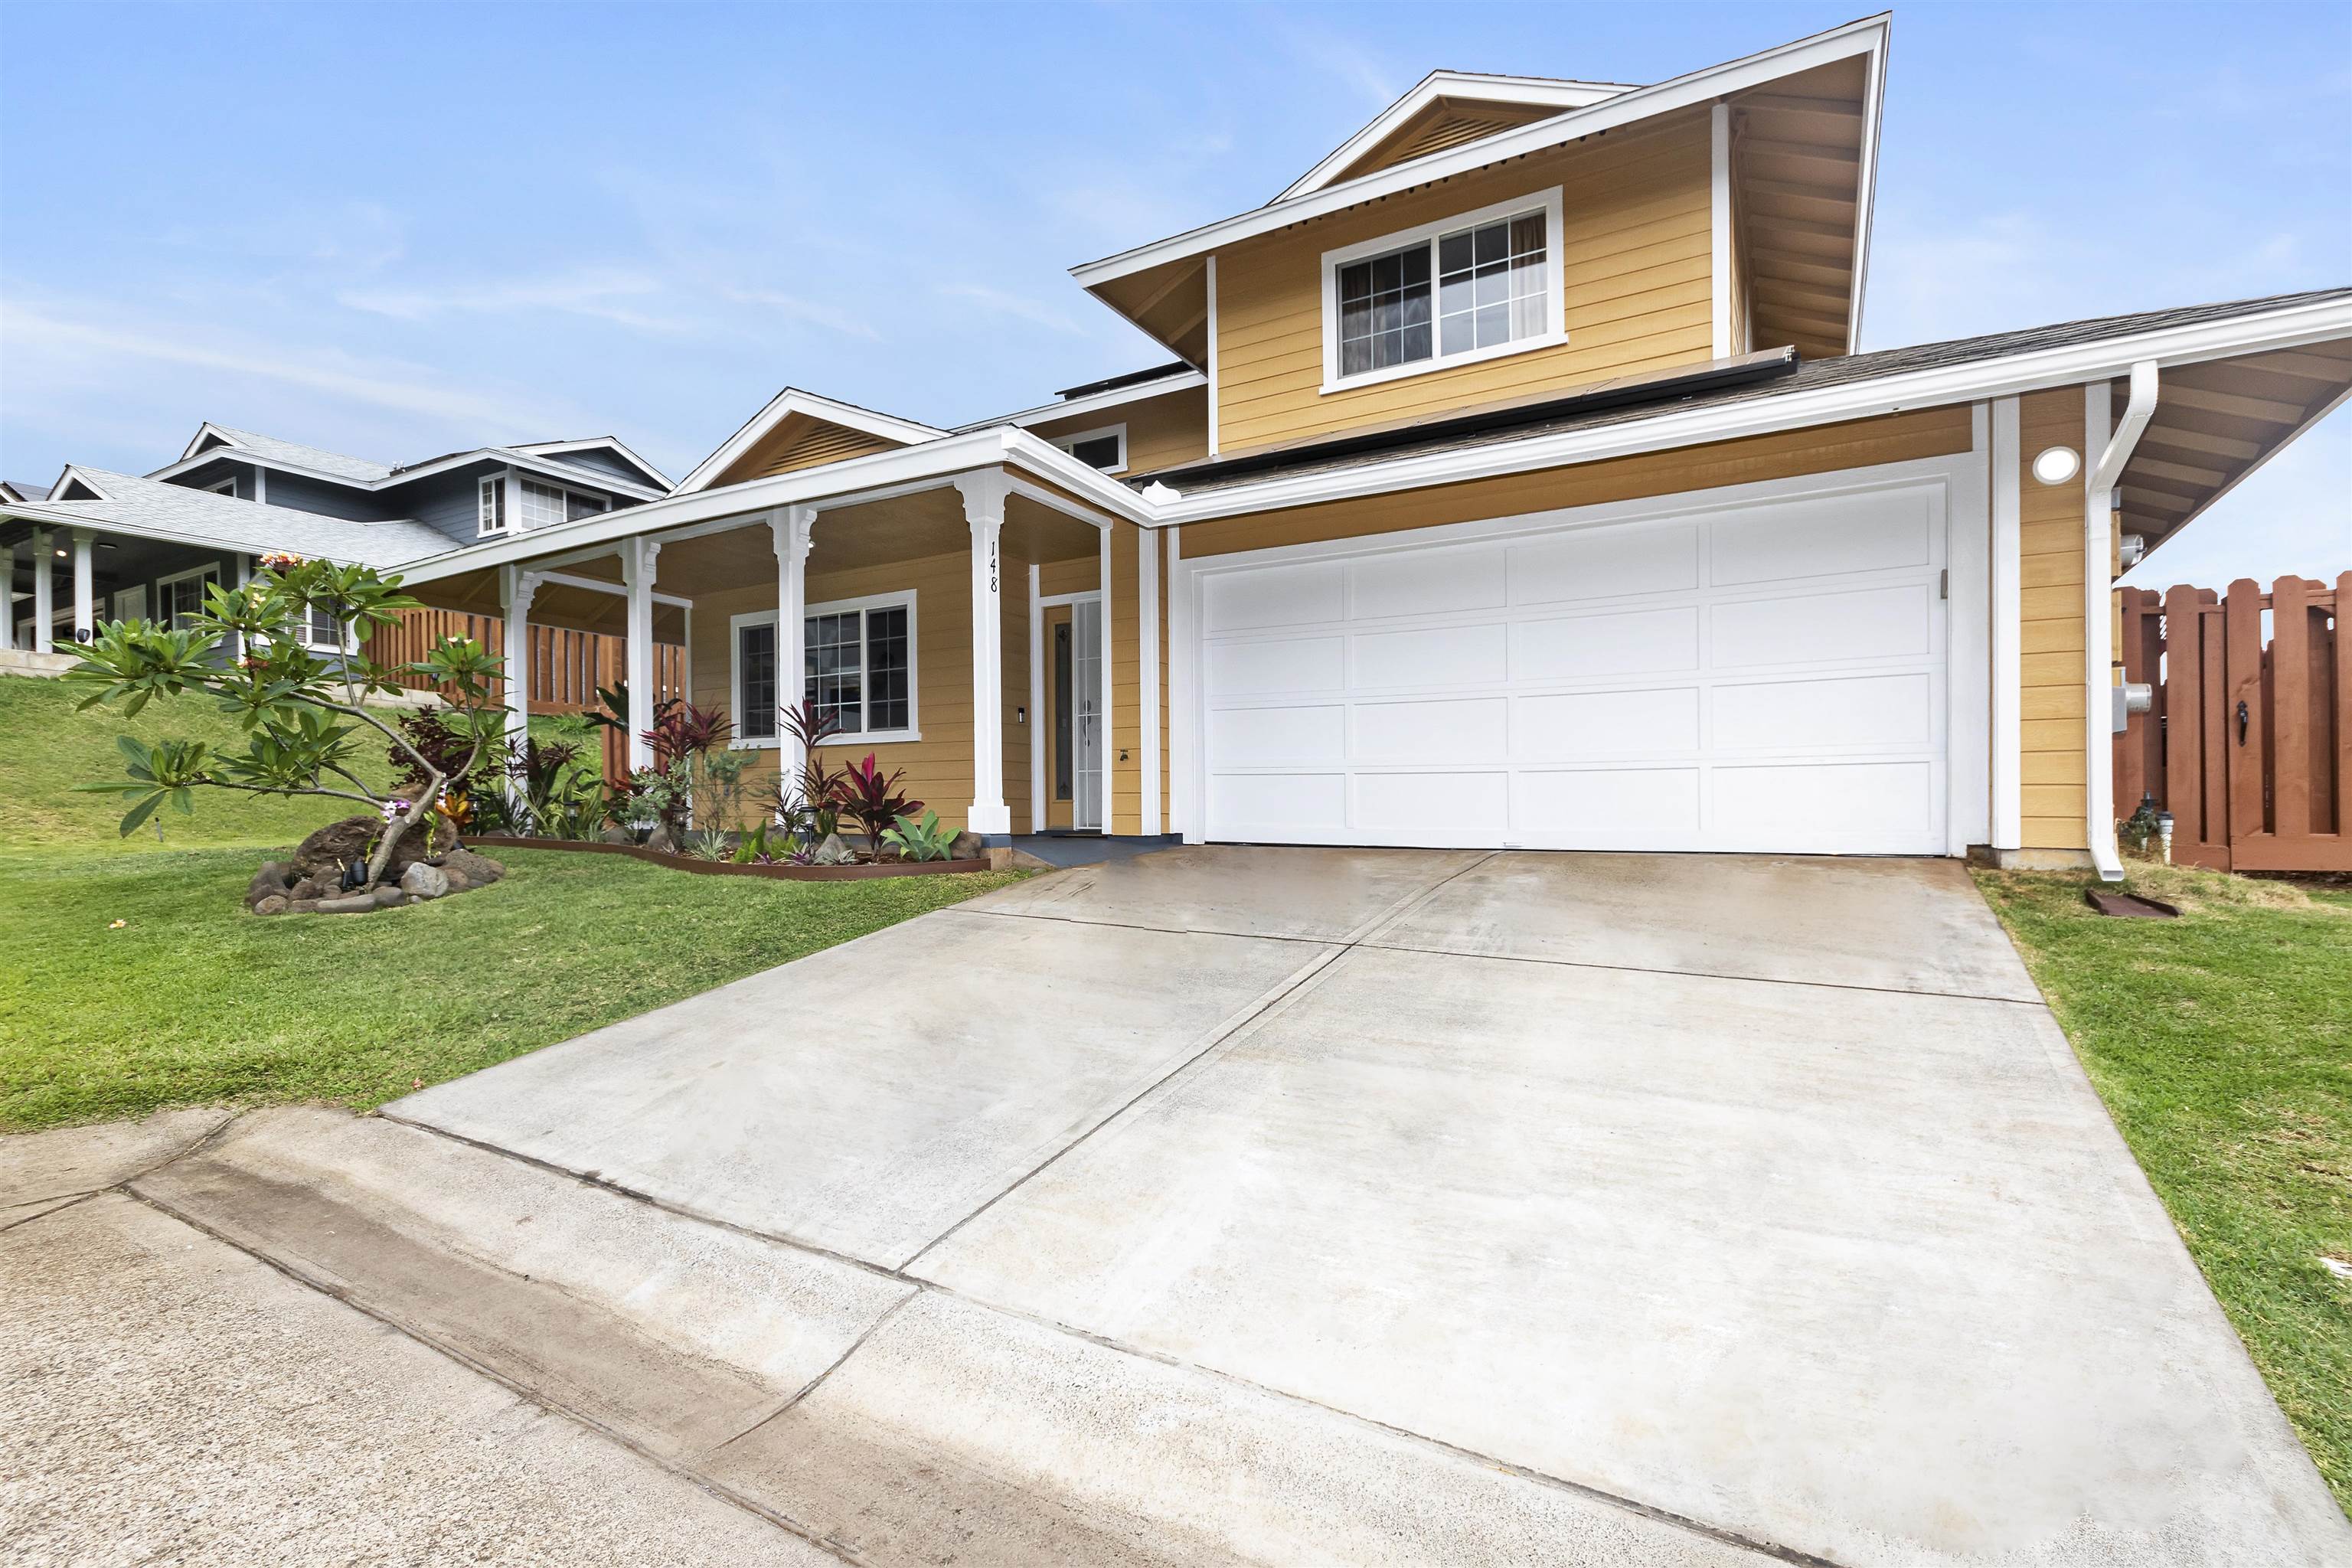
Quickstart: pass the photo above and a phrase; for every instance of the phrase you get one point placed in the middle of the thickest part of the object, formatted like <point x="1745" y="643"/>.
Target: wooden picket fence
<point x="566" y="666"/>
<point x="2249" y="743"/>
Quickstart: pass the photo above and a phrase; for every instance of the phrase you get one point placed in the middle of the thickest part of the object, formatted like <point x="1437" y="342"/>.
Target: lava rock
<point x="325" y="853"/>
<point x="275" y="904"/>
<point x="269" y="882"/>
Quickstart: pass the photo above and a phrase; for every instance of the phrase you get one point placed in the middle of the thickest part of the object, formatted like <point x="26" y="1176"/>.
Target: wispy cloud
<point x="600" y="294"/>
<point x="793" y="308"/>
<point x="1346" y="60"/>
<point x="1013" y="305"/>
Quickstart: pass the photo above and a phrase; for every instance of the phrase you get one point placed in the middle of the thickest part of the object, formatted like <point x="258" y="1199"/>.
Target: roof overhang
<point x="1866" y="38"/>
<point x="516" y="457"/>
<point x="597" y="444"/>
<point x="1473" y="86"/>
<point x="53" y="517"/>
<point x="782" y="407"/>
<point x="1116" y="397"/>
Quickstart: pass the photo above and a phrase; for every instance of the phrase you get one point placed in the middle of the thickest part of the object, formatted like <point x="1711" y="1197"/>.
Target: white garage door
<point x="1764" y="678"/>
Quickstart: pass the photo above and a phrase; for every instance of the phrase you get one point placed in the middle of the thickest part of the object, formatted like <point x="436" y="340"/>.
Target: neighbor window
<point x="858" y="669"/>
<point x="1483" y="284"/>
<point x="544" y="505"/>
<point x="226" y="486"/>
<point x="1104" y="448"/>
<point x="492" y="516"/>
<point x="180" y="596"/>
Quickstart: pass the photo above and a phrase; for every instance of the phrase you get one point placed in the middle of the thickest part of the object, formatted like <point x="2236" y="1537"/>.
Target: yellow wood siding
<point x="1636" y="260"/>
<point x="1162" y="432"/>
<point x="1899" y="438"/>
<point x="799" y="442"/>
<point x="2051" y="761"/>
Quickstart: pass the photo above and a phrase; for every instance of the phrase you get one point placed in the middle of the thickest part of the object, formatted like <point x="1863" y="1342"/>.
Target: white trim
<point x="792" y="400"/>
<point x="1110" y="734"/>
<point x="1542" y="91"/>
<point x="1548" y="202"/>
<point x="260" y="487"/>
<point x="1212" y="354"/>
<point x="1069" y="441"/>
<point x="1180" y="627"/>
<point x="1175" y="380"/>
<point x="596" y="444"/>
<point x="1866" y="193"/>
<point x="490" y="503"/>
<point x="599" y="585"/>
<point x="1037" y="702"/>
<point x="1958" y="479"/>
<point x="735" y="626"/>
<point x="566" y="491"/>
<point x="1894" y="394"/>
<point x="1146" y="634"/>
<point x="226" y="486"/>
<point x="163" y="599"/>
<point x="903" y="597"/>
<point x="1719" y="224"/>
<point x="984" y="496"/>
<point x="512" y="454"/>
<point x="1867" y="38"/>
<point x="2008" y="692"/>
<point x="1968" y="741"/>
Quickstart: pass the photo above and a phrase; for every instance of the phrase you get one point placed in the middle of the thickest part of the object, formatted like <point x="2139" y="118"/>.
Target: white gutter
<point x="2098" y="591"/>
<point x="1118" y="397"/>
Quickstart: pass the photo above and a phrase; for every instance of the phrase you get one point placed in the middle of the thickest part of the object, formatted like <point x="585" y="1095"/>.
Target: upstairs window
<point x="544" y="505"/>
<point x="1104" y="448"/>
<point x="491" y="517"/>
<point x="1472" y="287"/>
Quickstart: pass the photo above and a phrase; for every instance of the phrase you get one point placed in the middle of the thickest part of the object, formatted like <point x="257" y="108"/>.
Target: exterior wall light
<point x="2056" y="465"/>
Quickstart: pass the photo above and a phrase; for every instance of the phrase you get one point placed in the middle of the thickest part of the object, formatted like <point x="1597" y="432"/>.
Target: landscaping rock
<point x="424" y="881"/>
<point x="477" y="870"/>
<point x="968" y="846"/>
<point x="302" y="907"/>
<point x="269" y="882"/>
<point x="616" y="835"/>
<point x="352" y="904"/>
<point x="661" y="839"/>
<point x="831" y="852"/>
<point x="387" y="897"/>
<point x="325" y="853"/>
<point x="276" y="904"/>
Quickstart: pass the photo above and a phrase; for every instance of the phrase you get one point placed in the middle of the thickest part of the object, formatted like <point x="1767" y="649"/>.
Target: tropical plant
<point x="302" y="715"/>
<point x="807" y="807"/>
<point x="871" y="798"/>
<point x="924" y="840"/>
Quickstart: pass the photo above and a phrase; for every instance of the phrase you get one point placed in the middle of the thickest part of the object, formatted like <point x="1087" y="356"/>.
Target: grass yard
<point x="2221" y="1043"/>
<point x="192" y="1001"/>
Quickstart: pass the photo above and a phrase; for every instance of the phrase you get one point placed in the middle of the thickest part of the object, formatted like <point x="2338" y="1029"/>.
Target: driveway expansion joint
<point x="1703" y="973"/>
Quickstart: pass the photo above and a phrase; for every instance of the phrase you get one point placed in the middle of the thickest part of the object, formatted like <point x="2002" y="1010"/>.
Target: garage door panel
<point x="1255" y="668"/>
<point x="1822" y="538"/>
<point x="1605" y="563"/>
<point x="1599" y="808"/>
<point x="1891" y="622"/>
<point x="1831" y="713"/>
<point x="1638" y="642"/>
<point x="1825" y="804"/>
<point x="1575" y="726"/>
<point x="1760" y="678"/>
<point x="1278" y="737"/>
<point x="1310" y="594"/>
<point x="1437" y="656"/>
<point x="1428" y="582"/>
<point x="1469" y="729"/>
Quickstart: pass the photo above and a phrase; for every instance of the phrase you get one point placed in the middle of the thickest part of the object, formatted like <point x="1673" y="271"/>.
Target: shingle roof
<point x="1529" y="420"/>
<point x="294" y="452"/>
<point x="157" y="509"/>
<point x="25" y="491"/>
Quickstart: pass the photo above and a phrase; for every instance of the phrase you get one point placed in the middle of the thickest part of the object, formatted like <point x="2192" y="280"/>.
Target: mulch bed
<point x="728" y="867"/>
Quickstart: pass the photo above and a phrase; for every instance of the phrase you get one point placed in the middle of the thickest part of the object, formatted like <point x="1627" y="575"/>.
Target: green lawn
<point x="2221" y="1043"/>
<point x="192" y="1001"/>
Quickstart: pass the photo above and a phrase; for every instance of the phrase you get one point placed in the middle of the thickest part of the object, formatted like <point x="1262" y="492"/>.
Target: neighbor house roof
<point x="316" y="458"/>
<point x="153" y="509"/>
<point x="16" y="489"/>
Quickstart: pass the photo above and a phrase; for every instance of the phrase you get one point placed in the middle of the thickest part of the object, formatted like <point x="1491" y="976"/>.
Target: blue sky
<point x="394" y="231"/>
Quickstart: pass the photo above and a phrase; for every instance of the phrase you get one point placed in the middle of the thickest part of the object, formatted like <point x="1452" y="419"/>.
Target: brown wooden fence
<point x="566" y="666"/>
<point x="2249" y="743"/>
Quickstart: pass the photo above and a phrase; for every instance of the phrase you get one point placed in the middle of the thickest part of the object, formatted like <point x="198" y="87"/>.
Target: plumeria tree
<point x="305" y="717"/>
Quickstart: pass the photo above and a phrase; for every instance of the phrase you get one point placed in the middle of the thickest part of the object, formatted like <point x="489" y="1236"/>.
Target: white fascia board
<point x="847" y="483"/>
<point x="1118" y="397"/>
<point x="600" y="443"/>
<point x="203" y="430"/>
<point x="1866" y="193"/>
<point x="1547" y="91"/>
<point x="791" y="401"/>
<point x="513" y="455"/>
<point x="1895" y="393"/>
<point x="1866" y="38"/>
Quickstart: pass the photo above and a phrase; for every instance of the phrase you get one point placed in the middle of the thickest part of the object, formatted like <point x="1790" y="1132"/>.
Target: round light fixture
<point x="2056" y="465"/>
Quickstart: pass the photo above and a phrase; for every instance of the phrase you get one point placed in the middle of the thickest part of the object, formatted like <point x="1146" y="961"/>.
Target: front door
<point x="130" y="603"/>
<point x="1073" y="635"/>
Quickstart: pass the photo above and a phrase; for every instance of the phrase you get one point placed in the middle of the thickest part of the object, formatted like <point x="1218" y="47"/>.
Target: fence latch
<point x="2241" y="720"/>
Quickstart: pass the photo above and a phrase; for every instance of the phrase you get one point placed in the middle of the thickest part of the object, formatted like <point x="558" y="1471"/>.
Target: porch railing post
<point x="984" y="509"/>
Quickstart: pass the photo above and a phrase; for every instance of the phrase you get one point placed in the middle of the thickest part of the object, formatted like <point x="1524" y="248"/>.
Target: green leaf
<point x="139" y="814"/>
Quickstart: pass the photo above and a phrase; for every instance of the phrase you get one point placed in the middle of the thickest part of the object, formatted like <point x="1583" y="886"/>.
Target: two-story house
<point x="97" y="545"/>
<point x="1516" y="483"/>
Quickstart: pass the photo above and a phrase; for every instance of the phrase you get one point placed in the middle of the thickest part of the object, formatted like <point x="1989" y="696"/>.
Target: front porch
<point x="989" y="634"/>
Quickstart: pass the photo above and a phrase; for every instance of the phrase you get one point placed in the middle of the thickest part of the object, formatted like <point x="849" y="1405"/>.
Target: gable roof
<point x="16" y="489"/>
<point x="558" y="450"/>
<point x="210" y="438"/>
<point x="791" y="401"/>
<point x="1441" y="97"/>
<point x="214" y="443"/>
<point x="155" y="508"/>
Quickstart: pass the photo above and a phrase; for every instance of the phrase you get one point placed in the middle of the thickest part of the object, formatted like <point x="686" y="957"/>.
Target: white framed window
<point x="542" y="505"/>
<point x="857" y="666"/>
<point x="1104" y="448"/>
<point x="1474" y="287"/>
<point x="181" y="595"/>
<point x="226" y="486"/>
<point x="491" y="500"/>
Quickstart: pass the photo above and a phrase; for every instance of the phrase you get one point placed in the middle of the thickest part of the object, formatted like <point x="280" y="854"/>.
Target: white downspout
<point x="2098" y="586"/>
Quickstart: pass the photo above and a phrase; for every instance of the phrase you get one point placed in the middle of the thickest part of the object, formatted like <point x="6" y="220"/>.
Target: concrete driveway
<point x="1334" y="1205"/>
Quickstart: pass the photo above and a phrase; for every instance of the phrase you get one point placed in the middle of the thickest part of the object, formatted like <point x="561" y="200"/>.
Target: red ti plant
<point x="683" y="730"/>
<point x="866" y="794"/>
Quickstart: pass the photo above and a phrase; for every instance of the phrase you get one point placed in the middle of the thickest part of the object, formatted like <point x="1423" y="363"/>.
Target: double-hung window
<point x="491" y="502"/>
<point x="857" y="671"/>
<point x="1471" y="287"/>
<point x="179" y="597"/>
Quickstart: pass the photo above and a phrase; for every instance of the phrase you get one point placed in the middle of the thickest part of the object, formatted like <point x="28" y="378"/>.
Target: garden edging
<point x="729" y="868"/>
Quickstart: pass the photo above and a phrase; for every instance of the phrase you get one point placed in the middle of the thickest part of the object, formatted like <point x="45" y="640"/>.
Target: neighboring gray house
<point x="97" y="545"/>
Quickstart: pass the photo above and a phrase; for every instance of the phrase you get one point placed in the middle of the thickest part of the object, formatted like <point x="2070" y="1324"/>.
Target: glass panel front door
<point x="1086" y="713"/>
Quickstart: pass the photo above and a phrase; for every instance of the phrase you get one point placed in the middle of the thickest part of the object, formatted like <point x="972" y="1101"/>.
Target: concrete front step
<point x="890" y="1420"/>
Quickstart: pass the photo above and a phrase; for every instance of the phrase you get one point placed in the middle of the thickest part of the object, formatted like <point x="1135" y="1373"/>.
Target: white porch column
<point x="85" y="591"/>
<point x="516" y="588"/>
<point x="637" y="555"/>
<point x="1110" y="749"/>
<point x="984" y="509"/>
<point x="8" y="596"/>
<point x="794" y="528"/>
<point x="44" y="606"/>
